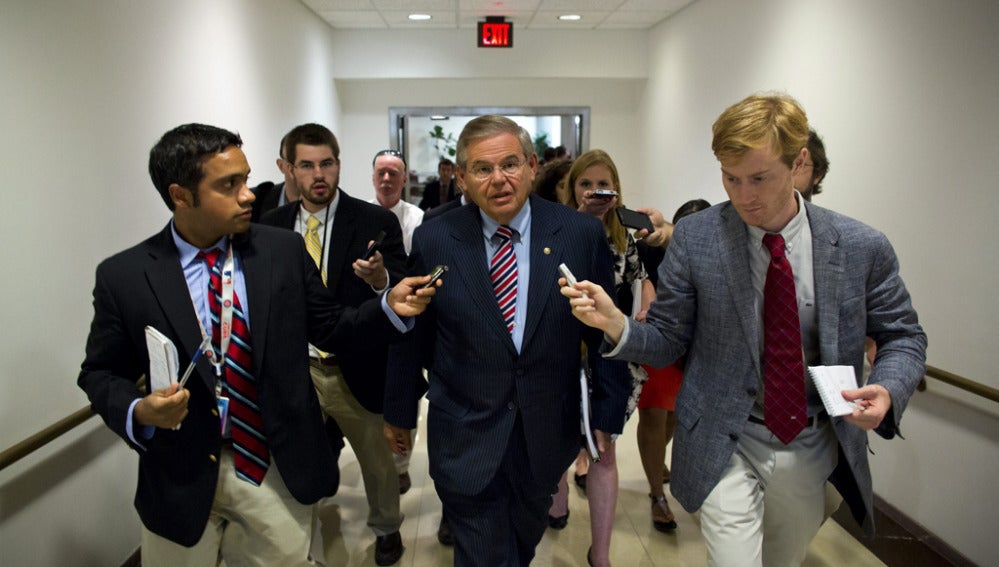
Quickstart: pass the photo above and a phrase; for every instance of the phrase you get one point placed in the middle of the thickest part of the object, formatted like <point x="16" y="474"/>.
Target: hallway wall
<point x="904" y="95"/>
<point x="87" y="88"/>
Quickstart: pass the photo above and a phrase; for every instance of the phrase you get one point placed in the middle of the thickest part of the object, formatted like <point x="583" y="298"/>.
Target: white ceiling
<point x="530" y="14"/>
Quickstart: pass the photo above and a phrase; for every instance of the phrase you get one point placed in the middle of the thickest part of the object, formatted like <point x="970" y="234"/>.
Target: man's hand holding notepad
<point x="830" y="381"/>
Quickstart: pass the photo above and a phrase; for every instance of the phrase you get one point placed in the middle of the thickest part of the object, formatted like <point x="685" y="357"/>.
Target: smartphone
<point x="435" y="275"/>
<point x="570" y="279"/>
<point x="605" y="193"/>
<point x="374" y="245"/>
<point x="634" y="219"/>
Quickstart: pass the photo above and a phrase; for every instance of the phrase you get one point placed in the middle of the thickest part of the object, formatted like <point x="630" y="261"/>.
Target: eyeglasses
<point x="325" y="166"/>
<point x="393" y="153"/>
<point x="484" y="171"/>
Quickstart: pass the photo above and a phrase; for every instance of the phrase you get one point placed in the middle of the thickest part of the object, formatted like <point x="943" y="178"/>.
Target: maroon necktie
<point x="784" y="406"/>
<point x="250" y="455"/>
<point x="503" y="273"/>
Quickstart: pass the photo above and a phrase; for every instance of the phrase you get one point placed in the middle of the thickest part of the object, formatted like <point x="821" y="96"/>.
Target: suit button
<point x="751" y="392"/>
<point x="213" y="458"/>
<point x="519" y="372"/>
<point x="733" y="436"/>
<point x="215" y="412"/>
<point x="511" y="406"/>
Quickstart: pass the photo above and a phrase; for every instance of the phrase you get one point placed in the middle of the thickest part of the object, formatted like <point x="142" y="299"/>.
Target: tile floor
<point x="349" y="543"/>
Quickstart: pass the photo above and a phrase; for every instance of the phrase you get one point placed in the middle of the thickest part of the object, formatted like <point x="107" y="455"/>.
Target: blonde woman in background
<point x="593" y="186"/>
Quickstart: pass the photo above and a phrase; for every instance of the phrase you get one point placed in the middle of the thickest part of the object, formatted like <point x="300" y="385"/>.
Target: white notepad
<point x="163" y="359"/>
<point x="584" y="422"/>
<point x="830" y="381"/>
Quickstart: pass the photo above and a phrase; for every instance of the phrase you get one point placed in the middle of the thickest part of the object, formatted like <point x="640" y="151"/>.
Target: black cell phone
<point x="605" y="193"/>
<point x="374" y="245"/>
<point x="634" y="219"/>
<point x="435" y="275"/>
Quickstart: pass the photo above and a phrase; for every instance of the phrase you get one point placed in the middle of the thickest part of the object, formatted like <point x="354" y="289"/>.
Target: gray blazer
<point x="704" y="311"/>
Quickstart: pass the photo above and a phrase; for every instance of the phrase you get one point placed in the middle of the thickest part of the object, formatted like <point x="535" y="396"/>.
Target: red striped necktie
<point x="503" y="274"/>
<point x="784" y="406"/>
<point x="250" y="454"/>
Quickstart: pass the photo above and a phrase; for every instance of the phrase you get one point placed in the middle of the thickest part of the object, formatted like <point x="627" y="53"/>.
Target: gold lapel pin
<point x="548" y="250"/>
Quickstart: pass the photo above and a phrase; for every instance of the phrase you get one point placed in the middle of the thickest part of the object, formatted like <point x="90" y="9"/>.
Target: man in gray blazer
<point x="727" y="459"/>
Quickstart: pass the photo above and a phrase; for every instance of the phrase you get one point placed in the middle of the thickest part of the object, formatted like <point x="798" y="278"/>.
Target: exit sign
<point x="495" y="32"/>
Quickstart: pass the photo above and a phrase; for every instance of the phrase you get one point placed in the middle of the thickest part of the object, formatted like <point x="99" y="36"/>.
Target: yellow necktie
<point x="312" y="244"/>
<point x="315" y="250"/>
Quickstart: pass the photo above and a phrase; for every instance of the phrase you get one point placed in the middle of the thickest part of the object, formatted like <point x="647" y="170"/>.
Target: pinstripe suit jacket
<point x="477" y="380"/>
<point x="704" y="310"/>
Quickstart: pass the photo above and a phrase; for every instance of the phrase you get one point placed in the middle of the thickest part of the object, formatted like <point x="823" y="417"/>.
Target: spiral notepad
<point x="830" y="381"/>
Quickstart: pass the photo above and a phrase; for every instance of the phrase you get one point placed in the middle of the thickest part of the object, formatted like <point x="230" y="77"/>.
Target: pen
<point x="194" y="361"/>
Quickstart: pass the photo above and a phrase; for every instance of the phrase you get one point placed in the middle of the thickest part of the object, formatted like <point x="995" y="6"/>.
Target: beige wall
<point x="904" y="94"/>
<point x="87" y="89"/>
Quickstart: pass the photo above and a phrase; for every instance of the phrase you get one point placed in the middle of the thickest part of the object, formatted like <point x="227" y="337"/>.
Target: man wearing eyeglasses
<point x="389" y="178"/>
<point x="503" y="361"/>
<point x="338" y="229"/>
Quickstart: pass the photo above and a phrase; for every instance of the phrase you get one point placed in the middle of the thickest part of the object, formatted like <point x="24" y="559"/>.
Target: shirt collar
<point x="188" y="251"/>
<point x="791" y="230"/>
<point x="521" y="221"/>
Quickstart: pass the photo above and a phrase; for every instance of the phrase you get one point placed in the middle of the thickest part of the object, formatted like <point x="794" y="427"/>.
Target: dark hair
<point x="820" y="163"/>
<point x="443" y="161"/>
<point x="549" y="176"/>
<point x="310" y="135"/>
<point x="548" y="154"/>
<point x="179" y="155"/>
<point x="282" y="150"/>
<point x="393" y="153"/>
<point x="561" y="152"/>
<point x="689" y="208"/>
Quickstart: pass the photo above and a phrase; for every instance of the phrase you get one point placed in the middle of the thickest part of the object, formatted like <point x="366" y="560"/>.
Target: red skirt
<point x="661" y="388"/>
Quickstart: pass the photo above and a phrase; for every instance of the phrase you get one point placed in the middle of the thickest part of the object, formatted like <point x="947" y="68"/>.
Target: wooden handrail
<point x="963" y="383"/>
<point x="43" y="437"/>
<point x="40" y="439"/>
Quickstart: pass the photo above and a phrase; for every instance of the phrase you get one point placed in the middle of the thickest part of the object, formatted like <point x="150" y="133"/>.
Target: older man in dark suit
<point x="230" y="464"/>
<point x="502" y="350"/>
<point x="751" y="292"/>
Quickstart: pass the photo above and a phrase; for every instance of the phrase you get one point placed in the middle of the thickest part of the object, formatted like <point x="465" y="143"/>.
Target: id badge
<point x="224" y="415"/>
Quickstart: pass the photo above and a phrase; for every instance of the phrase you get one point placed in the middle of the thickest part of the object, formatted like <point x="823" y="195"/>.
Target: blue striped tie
<point x="503" y="273"/>
<point x="250" y="454"/>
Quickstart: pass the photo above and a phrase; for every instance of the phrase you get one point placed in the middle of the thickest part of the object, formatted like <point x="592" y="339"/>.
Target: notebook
<point x="830" y="381"/>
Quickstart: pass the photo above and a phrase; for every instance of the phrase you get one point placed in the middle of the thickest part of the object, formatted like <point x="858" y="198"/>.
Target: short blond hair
<point x="758" y="121"/>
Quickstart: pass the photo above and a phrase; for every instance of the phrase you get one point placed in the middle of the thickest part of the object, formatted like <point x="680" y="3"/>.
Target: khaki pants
<point x="770" y="501"/>
<point x="248" y="526"/>
<point x="365" y="433"/>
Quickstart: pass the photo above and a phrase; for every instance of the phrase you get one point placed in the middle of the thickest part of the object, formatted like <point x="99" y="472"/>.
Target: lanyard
<point x="225" y="320"/>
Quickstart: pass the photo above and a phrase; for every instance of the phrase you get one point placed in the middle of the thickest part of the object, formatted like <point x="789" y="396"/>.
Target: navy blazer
<point x="704" y="311"/>
<point x="288" y="305"/>
<point x="478" y="382"/>
<point x="355" y="223"/>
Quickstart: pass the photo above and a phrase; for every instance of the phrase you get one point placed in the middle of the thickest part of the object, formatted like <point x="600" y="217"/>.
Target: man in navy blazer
<point x="351" y="382"/>
<point x="193" y="507"/>
<point x="504" y="411"/>
<point x="726" y="461"/>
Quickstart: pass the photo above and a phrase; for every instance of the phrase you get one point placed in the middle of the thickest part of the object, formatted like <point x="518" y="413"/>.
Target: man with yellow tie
<point x="338" y="230"/>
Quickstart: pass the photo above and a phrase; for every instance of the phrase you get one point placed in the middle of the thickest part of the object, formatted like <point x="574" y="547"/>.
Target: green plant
<point x="445" y="144"/>
<point x="540" y="144"/>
